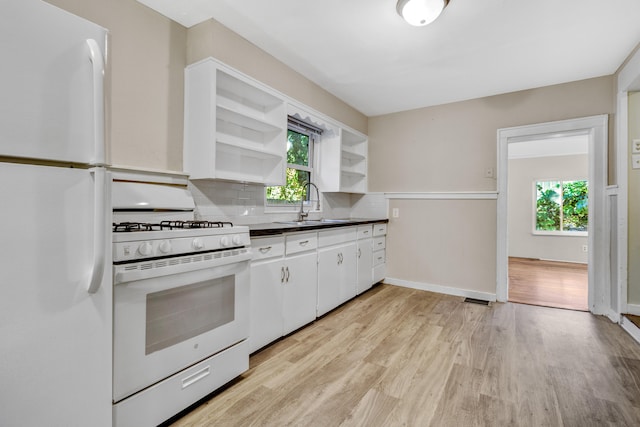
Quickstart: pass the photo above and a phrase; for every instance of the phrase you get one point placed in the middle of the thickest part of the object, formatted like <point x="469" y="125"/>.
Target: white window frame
<point x="295" y="206"/>
<point x="560" y="232"/>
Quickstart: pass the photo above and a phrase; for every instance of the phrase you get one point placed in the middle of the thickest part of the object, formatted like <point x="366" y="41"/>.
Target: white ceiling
<point x="366" y="55"/>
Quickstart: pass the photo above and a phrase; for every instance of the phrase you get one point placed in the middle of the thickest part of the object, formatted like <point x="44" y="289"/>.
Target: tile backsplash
<point x="244" y="204"/>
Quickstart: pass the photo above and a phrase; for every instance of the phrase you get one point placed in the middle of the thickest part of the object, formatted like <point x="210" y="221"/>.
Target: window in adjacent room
<point x="562" y="207"/>
<point x="300" y="148"/>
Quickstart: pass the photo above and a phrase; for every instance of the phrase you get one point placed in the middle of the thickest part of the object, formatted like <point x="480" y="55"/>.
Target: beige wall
<point x="448" y="243"/>
<point x="148" y="53"/>
<point x="210" y="38"/>
<point x="522" y="175"/>
<point x="633" y="290"/>
<point x="446" y="149"/>
<point x="147" y="56"/>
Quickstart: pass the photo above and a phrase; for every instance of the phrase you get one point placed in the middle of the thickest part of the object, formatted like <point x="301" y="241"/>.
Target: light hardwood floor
<point x="549" y="283"/>
<point x="403" y="357"/>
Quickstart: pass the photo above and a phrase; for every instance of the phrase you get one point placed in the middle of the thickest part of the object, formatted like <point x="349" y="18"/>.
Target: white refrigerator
<point x="55" y="272"/>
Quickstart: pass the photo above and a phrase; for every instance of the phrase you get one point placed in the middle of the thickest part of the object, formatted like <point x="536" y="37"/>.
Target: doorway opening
<point x="548" y="211"/>
<point x="595" y="130"/>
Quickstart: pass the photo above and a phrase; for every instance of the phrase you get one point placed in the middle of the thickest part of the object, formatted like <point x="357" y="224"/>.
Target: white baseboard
<point x="447" y="290"/>
<point x="633" y="309"/>
<point x="632" y="329"/>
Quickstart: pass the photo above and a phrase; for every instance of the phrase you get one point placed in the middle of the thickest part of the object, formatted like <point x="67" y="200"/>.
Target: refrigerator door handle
<point x="97" y="61"/>
<point x="99" y="233"/>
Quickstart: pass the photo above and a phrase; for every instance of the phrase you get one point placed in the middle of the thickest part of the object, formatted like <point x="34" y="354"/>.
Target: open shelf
<point x="235" y="127"/>
<point x="244" y="120"/>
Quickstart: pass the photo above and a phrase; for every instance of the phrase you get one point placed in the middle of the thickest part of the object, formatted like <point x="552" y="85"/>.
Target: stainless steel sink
<point x="297" y="222"/>
<point x="314" y="221"/>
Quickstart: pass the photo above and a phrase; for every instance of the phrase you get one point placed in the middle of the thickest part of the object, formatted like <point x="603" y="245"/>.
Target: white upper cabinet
<point x="343" y="163"/>
<point x="235" y="127"/>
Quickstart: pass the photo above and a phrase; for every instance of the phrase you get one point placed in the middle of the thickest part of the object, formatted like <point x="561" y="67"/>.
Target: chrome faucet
<point x="302" y="214"/>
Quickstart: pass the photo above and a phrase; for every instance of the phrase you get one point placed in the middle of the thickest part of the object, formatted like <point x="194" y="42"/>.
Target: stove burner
<point x="171" y="225"/>
<point x="132" y="226"/>
<point x="168" y="225"/>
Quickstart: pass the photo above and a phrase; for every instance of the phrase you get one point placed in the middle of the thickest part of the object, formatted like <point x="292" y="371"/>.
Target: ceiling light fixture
<point x="420" y="12"/>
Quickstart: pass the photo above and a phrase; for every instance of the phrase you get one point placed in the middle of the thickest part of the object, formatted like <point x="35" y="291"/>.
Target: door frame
<point x="596" y="128"/>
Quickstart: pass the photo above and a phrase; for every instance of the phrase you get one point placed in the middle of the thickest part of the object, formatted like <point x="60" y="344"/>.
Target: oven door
<point x="171" y="313"/>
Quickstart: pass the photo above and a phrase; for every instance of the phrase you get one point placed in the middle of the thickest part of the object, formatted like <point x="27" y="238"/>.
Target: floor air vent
<point x="476" y="301"/>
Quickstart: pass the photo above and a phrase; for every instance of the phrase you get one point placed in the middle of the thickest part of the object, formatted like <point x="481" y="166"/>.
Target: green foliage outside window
<point x="575" y="206"/>
<point x="298" y="171"/>
<point x="562" y="206"/>
<point x="548" y="206"/>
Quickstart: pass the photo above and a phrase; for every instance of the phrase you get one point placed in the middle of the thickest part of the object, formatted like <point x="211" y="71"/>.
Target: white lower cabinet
<point x="365" y="258"/>
<point x="267" y="279"/>
<point x="379" y="252"/>
<point x="283" y="286"/>
<point x="300" y="291"/>
<point x="297" y="277"/>
<point x="337" y="268"/>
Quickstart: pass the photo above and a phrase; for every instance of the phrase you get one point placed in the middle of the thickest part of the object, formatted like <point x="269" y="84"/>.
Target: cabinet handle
<point x="287" y="279"/>
<point x="379" y="243"/>
<point x="359" y="252"/>
<point x="282" y="275"/>
<point x="304" y="242"/>
<point x="366" y="231"/>
<point x="265" y="249"/>
<point x="195" y="377"/>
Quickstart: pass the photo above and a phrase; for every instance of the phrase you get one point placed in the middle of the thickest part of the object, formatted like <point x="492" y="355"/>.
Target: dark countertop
<point x="274" y="228"/>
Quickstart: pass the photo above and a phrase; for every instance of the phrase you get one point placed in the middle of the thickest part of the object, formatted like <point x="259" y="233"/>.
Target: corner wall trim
<point x="455" y="195"/>
<point x="447" y="290"/>
<point x="630" y="328"/>
<point x="633" y="309"/>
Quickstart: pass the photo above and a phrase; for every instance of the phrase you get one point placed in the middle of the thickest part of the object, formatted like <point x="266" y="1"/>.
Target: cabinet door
<point x="337" y="275"/>
<point x="365" y="265"/>
<point x="267" y="280"/>
<point x="348" y="272"/>
<point x="328" y="279"/>
<point x="300" y="291"/>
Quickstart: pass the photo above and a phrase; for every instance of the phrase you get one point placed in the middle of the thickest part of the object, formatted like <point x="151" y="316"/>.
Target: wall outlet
<point x="489" y="173"/>
<point x="585" y="248"/>
<point x="635" y="146"/>
<point x="635" y="161"/>
<point x="395" y="212"/>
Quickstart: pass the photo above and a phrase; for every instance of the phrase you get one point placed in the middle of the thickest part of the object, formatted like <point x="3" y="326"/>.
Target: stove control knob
<point x="165" y="246"/>
<point x="237" y="240"/>
<point x="145" y="249"/>
<point x="197" y="244"/>
<point x="224" y="241"/>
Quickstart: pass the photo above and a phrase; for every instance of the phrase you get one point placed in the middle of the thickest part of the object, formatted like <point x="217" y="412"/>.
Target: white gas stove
<point x="181" y="303"/>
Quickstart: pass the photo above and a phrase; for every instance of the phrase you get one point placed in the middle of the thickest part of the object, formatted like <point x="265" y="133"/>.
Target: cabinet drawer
<point x="170" y="396"/>
<point x="379" y="242"/>
<point x="379" y="257"/>
<point x="301" y="242"/>
<point x="379" y="229"/>
<point x="267" y="247"/>
<point x="379" y="272"/>
<point x="337" y="236"/>
<point x="365" y="231"/>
